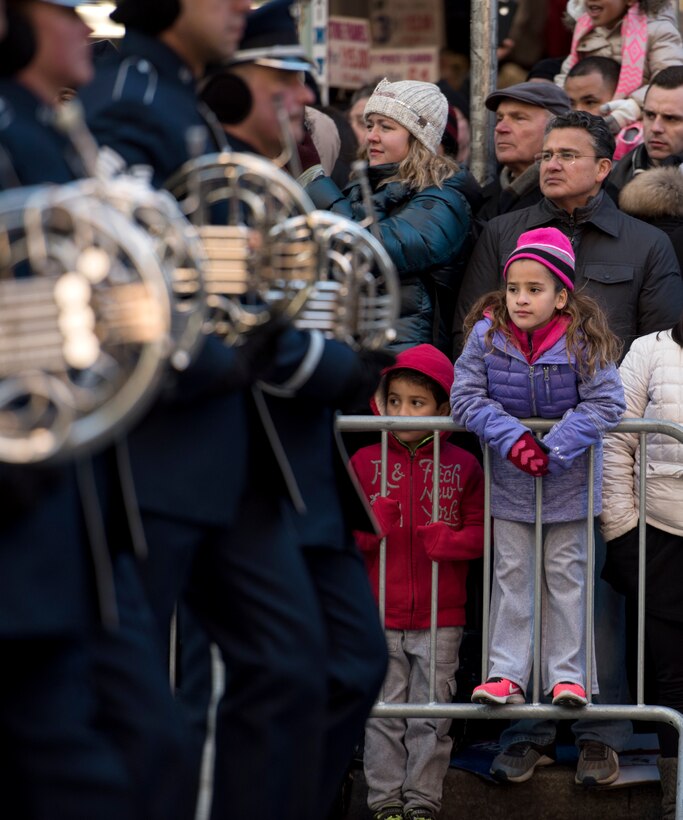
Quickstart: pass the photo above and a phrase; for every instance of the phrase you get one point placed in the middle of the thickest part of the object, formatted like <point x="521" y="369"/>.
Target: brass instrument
<point x="356" y="297"/>
<point x="252" y="218"/>
<point x="176" y="243"/>
<point x="178" y="247"/>
<point x="85" y="321"/>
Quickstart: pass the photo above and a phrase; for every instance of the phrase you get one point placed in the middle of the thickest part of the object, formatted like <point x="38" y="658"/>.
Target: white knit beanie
<point x="419" y="107"/>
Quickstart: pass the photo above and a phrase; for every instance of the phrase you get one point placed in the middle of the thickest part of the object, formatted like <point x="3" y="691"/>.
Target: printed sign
<point x="406" y="23"/>
<point x="348" y="52"/>
<point x="319" y="44"/>
<point x="405" y="64"/>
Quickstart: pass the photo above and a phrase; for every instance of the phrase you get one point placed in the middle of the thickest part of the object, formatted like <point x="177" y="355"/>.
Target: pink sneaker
<point x="497" y="690"/>
<point x="569" y="694"/>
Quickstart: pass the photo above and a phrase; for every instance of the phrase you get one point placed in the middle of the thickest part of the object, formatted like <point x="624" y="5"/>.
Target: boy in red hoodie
<point x="406" y="761"/>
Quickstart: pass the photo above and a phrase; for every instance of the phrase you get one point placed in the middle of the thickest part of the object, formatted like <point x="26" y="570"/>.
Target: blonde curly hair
<point x="421" y="169"/>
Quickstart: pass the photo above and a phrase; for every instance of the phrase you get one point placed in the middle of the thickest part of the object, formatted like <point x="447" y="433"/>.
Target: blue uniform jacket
<point x="192" y="454"/>
<point x="189" y="453"/>
<point x="143" y="104"/>
<point x="45" y="577"/>
<point x="32" y="149"/>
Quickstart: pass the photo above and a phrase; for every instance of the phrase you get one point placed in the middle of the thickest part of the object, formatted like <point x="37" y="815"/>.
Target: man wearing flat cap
<point x="522" y="113"/>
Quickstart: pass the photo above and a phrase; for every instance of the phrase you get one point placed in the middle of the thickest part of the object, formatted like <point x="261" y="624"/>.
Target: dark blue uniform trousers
<point x="355" y="660"/>
<point x="313" y="659"/>
<point x="304" y="655"/>
<point x="53" y="765"/>
<point x="136" y="708"/>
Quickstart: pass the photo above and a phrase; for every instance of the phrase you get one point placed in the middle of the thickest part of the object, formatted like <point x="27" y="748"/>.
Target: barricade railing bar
<point x="537" y="710"/>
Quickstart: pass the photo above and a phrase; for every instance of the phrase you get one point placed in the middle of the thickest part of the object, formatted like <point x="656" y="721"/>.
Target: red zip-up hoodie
<point x="410" y="482"/>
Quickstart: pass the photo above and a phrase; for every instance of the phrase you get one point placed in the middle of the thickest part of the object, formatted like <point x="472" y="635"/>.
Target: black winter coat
<point x="628" y="266"/>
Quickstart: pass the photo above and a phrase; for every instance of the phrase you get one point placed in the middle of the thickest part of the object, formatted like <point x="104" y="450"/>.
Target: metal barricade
<point x="638" y="711"/>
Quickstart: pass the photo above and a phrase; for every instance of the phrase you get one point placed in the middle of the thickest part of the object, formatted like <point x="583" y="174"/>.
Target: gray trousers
<point x="610" y="648"/>
<point x="563" y="604"/>
<point x="406" y="760"/>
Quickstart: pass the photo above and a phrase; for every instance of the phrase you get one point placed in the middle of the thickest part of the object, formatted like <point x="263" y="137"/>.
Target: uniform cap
<point x="71" y="4"/>
<point x="271" y="39"/>
<point x="148" y="16"/>
<point x="419" y="107"/>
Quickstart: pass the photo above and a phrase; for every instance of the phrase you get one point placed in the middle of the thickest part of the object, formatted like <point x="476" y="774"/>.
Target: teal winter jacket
<point x="426" y="234"/>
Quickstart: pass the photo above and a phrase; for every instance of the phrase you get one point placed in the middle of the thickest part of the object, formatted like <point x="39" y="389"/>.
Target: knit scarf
<point x="633" y="49"/>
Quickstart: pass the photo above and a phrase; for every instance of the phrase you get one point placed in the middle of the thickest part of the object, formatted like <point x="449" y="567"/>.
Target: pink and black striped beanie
<point x="551" y="248"/>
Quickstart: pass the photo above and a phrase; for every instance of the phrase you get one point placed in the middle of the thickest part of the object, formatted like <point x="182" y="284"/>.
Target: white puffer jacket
<point x="652" y="374"/>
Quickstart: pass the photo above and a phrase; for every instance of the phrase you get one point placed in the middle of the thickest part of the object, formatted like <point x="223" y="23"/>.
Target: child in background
<point x="641" y="35"/>
<point x="406" y="760"/>
<point x="590" y="84"/>
<point x="537" y="348"/>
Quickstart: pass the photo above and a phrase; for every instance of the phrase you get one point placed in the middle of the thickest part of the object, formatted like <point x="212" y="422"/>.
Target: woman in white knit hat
<point x="422" y="202"/>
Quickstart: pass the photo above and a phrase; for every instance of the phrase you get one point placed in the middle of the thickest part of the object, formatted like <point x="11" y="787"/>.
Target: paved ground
<point x="549" y="795"/>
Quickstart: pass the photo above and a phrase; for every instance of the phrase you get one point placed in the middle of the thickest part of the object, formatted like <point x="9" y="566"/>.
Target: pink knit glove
<point x="528" y="455"/>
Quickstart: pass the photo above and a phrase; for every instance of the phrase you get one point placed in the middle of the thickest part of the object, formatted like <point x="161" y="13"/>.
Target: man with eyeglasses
<point x="522" y="114"/>
<point x="662" y="131"/>
<point x="630" y="268"/>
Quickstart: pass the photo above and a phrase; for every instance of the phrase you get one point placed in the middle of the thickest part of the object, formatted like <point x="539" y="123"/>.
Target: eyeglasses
<point x="563" y="157"/>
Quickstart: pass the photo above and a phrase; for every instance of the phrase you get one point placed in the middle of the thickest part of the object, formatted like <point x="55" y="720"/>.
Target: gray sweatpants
<point x="406" y="760"/>
<point x="563" y="603"/>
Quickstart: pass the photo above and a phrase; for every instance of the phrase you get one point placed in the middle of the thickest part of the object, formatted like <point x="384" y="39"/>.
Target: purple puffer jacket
<point x="493" y="389"/>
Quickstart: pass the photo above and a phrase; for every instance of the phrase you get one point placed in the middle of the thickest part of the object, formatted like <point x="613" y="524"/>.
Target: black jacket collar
<point x="600" y="212"/>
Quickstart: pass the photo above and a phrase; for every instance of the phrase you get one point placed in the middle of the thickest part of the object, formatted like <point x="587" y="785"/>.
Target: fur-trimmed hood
<point x="654" y="194"/>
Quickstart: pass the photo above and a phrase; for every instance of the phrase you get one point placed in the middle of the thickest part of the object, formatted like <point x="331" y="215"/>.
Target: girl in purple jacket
<point x="539" y="349"/>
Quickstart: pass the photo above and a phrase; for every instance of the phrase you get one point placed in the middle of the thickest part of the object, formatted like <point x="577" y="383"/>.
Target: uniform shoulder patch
<point x="6" y="113"/>
<point x="136" y="79"/>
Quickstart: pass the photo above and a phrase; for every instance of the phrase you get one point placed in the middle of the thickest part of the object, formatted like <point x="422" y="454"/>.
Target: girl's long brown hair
<point x="589" y="337"/>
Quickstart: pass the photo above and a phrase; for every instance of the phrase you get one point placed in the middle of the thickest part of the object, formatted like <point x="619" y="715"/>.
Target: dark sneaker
<point x="389" y="813"/>
<point x="518" y="762"/>
<point x="420" y="813"/>
<point x="598" y="764"/>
